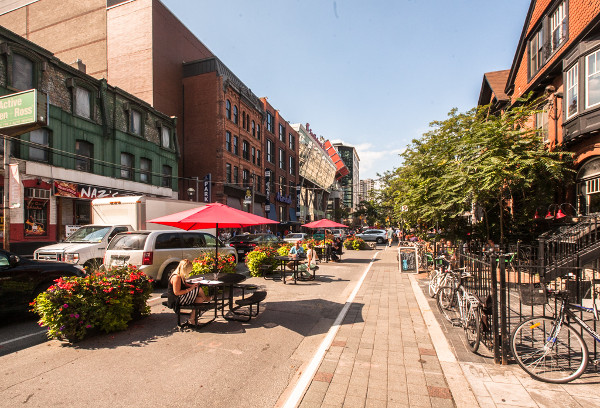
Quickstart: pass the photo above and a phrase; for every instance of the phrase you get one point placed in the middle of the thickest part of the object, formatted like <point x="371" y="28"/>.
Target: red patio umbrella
<point x="324" y="223"/>
<point x="213" y="215"/>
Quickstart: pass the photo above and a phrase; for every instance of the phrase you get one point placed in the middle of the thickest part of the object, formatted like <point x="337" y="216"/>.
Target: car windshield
<point x="294" y="236"/>
<point x="242" y="238"/>
<point x="128" y="242"/>
<point x="92" y="233"/>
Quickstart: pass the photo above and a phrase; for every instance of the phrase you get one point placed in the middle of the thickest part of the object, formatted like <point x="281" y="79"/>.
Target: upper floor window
<point x="248" y="123"/>
<point x="246" y="150"/>
<point x="235" y="145"/>
<point x="22" y="72"/>
<point x="167" y="175"/>
<point x="84" y="151"/>
<point x="270" y="123"/>
<point x="246" y="178"/>
<point x="228" y="172"/>
<point x="292" y="165"/>
<point x="145" y="170"/>
<point x="558" y="25"/>
<point x="40" y="142"/>
<point x="253" y="155"/>
<point x="126" y="166"/>
<point x="257" y="157"/>
<point x="571" y="87"/>
<point x="83" y="102"/>
<point x="541" y="123"/>
<point x="135" y="122"/>
<point x="258" y="131"/>
<point x="292" y="141"/>
<point x="536" y="52"/>
<point x="165" y="137"/>
<point x="282" y="159"/>
<point x="228" y="109"/>
<point x="228" y="141"/>
<point x="253" y="129"/>
<point x="270" y="151"/>
<point x="281" y="133"/>
<point x="235" y="114"/>
<point x="236" y="178"/>
<point x="592" y="79"/>
<point x="258" y="184"/>
<point x="244" y="119"/>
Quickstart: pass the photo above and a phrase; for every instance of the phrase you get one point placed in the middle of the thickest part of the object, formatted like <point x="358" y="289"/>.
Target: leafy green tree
<point x="497" y="163"/>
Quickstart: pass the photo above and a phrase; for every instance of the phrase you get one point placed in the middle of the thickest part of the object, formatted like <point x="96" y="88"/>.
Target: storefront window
<point x="36" y="212"/>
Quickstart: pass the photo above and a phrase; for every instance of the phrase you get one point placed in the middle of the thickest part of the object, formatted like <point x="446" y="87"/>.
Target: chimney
<point x="79" y="65"/>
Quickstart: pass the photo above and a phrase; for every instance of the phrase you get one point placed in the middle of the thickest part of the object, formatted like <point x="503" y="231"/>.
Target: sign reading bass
<point x="74" y="190"/>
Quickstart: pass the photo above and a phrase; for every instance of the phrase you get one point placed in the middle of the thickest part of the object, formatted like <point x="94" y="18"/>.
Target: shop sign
<point x="14" y="186"/>
<point x="18" y="109"/>
<point x="248" y="196"/>
<point x="283" y="199"/>
<point x="84" y="191"/>
<point x="206" y="190"/>
<point x="267" y="190"/>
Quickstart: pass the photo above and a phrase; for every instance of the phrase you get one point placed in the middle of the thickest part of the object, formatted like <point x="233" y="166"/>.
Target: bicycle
<point x="462" y="309"/>
<point x="548" y="348"/>
<point x="440" y="276"/>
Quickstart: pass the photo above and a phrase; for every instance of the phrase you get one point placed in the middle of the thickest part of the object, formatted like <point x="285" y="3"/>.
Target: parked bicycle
<point x="462" y="308"/>
<point x="548" y="348"/>
<point x="440" y="275"/>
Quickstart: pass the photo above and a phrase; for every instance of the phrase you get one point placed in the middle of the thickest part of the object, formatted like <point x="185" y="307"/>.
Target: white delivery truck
<point x="86" y="245"/>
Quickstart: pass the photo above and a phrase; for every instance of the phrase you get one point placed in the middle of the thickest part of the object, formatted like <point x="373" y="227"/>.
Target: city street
<point x="154" y="364"/>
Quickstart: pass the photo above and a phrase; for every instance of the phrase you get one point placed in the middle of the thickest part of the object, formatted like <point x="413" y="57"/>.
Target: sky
<point x="368" y="73"/>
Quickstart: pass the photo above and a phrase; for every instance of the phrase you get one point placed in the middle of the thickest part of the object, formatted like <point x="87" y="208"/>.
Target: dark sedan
<point x="245" y="243"/>
<point x="21" y="280"/>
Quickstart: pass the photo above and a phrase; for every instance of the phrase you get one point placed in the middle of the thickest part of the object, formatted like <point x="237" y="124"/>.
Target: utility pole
<point x="5" y="205"/>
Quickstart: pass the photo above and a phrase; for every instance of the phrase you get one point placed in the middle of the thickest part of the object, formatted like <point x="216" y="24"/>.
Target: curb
<point x="457" y="381"/>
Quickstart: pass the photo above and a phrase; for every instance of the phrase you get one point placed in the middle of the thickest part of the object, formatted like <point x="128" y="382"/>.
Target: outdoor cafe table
<point x="323" y="252"/>
<point x="284" y="260"/>
<point x="224" y="281"/>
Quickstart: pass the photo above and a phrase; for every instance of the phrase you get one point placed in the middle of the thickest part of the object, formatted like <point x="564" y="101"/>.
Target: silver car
<point x="157" y="253"/>
<point x="295" y="236"/>
<point x="376" y="235"/>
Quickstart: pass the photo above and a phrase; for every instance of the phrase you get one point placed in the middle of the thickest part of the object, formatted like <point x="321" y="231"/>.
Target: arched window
<point x="228" y="109"/>
<point x="235" y="114"/>
<point x="258" y="131"/>
<point x="244" y="119"/>
<point x="253" y="129"/>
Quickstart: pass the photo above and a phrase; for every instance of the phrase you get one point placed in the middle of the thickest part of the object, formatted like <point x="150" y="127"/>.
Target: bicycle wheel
<point x="447" y="303"/>
<point x="548" y="356"/>
<point x="434" y="282"/>
<point x="473" y="328"/>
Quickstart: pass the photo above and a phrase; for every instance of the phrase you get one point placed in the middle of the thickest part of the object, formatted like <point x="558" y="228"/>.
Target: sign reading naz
<point x="18" y="109"/>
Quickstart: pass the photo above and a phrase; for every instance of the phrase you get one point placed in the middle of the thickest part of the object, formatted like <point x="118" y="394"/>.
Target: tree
<point x="498" y="162"/>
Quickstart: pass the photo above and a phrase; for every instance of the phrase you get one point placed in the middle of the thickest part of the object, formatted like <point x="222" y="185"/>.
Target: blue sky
<point x="369" y="73"/>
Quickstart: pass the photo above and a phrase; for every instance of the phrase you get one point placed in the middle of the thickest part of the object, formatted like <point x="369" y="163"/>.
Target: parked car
<point x="21" y="280"/>
<point x="376" y="235"/>
<point x="245" y="243"/>
<point x="295" y="236"/>
<point x="339" y="233"/>
<point x="157" y="253"/>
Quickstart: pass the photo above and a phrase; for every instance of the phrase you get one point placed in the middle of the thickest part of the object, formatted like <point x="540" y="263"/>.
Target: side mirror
<point x="14" y="260"/>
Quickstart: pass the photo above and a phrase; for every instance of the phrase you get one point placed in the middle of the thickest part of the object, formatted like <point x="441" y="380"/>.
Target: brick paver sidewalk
<point x="382" y="355"/>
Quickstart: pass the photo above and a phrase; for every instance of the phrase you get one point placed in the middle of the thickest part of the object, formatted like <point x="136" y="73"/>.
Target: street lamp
<point x="190" y="192"/>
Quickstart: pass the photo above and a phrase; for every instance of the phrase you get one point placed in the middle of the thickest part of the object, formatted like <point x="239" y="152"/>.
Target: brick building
<point x="141" y="47"/>
<point x="558" y="58"/>
<point x="99" y="141"/>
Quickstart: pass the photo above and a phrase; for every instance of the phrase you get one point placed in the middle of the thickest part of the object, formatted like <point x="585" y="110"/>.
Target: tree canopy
<point x="480" y="167"/>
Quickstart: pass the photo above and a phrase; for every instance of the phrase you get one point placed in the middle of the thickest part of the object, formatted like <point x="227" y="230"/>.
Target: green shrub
<point x="260" y="256"/>
<point x="101" y="301"/>
<point x="206" y="264"/>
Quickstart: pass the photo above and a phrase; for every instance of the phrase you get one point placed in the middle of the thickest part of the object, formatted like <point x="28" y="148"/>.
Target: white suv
<point x="157" y="253"/>
<point x="339" y="233"/>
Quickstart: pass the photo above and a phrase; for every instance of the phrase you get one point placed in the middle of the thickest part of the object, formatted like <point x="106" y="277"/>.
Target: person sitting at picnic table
<point x="295" y="252"/>
<point x="186" y="294"/>
<point x="311" y="261"/>
<point x="336" y="247"/>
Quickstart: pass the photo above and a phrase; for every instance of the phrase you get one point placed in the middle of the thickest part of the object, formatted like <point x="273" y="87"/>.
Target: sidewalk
<point x="392" y="352"/>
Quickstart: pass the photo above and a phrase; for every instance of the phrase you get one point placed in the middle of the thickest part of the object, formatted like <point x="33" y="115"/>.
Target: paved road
<point x="152" y="364"/>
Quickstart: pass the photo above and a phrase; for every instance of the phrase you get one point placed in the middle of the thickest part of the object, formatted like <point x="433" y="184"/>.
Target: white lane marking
<point x="22" y="337"/>
<point x="308" y="374"/>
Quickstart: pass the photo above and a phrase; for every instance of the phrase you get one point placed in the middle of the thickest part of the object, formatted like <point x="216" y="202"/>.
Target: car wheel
<point x="164" y="280"/>
<point x="93" y="265"/>
<point x="379" y="240"/>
